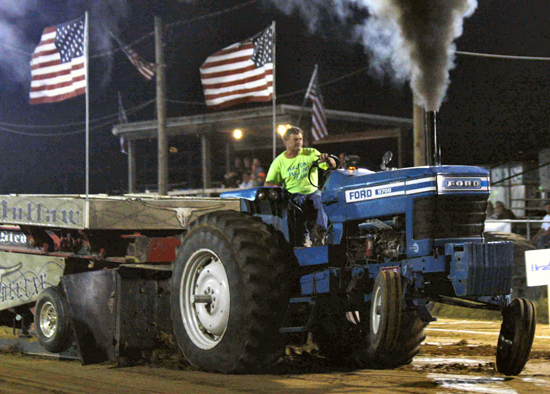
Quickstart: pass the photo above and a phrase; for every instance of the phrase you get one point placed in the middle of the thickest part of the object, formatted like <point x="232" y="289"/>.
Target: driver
<point x="291" y="169"/>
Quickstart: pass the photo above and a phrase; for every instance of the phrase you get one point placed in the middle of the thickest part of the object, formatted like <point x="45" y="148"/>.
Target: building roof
<point x="260" y="119"/>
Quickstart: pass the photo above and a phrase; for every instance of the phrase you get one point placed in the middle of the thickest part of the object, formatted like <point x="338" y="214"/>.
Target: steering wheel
<point x="315" y="165"/>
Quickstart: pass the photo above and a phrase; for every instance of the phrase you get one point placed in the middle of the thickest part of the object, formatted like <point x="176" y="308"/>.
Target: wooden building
<point x="204" y="144"/>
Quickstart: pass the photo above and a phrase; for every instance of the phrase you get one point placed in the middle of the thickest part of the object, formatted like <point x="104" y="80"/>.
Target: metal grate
<point x="450" y="216"/>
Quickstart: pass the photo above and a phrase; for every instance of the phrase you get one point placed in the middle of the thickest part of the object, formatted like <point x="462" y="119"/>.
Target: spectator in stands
<point x="260" y="179"/>
<point x="247" y="182"/>
<point x="234" y="176"/>
<point x="256" y="169"/>
<point x="343" y="159"/>
<point x="503" y="212"/>
<point x="247" y="164"/>
<point x="542" y="238"/>
<point x="491" y="214"/>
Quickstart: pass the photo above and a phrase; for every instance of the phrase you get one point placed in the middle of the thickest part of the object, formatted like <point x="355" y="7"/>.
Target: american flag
<point x="240" y="73"/>
<point x="145" y="68"/>
<point x="57" y="67"/>
<point x="318" y="117"/>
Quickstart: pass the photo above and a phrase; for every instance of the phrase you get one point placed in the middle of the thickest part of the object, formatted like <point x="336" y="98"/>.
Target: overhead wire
<point x="74" y="132"/>
<point x="111" y="116"/>
<point x="325" y="83"/>
<point x="466" y="53"/>
<point x="178" y="23"/>
<point x="151" y="34"/>
<point x="290" y="94"/>
<point x="186" y="102"/>
<point x="202" y="17"/>
<point x="497" y="56"/>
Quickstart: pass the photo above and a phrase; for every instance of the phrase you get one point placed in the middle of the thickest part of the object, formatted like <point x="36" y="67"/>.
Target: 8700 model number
<point x="369" y="193"/>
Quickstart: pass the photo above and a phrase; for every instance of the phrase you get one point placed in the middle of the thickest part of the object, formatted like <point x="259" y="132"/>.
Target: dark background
<point x="495" y="110"/>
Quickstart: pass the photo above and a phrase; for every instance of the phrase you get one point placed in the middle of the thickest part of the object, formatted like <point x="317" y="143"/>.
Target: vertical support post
<point x="274" y="97"/>
<point x="227" y="157"/>
<point x="509" y="202"/>
<point x="419" y="135"/>
<point x="432" y="149"/>
<point x="400" y="148"/>
<point x="205" y="154"/>
<point x="87" y="79"/>
<point x="131" y="166"/>
<point x="161" y="111"/>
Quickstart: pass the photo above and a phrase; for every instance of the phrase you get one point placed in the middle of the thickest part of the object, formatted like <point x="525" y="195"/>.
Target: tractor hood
<point x="448" y="177"/>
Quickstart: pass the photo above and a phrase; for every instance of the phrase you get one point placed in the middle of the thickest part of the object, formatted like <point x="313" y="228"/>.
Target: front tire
<point x="395" y="330"/>
<point x="230" y="292"/>
<point x="386" y="335"/>
<point x="52" y="320"/>
<point x="386" y="313"/>
<point x="516" y="336"/>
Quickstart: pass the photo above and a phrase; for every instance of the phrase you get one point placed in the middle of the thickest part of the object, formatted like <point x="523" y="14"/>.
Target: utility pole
<point x="161" y="111"/>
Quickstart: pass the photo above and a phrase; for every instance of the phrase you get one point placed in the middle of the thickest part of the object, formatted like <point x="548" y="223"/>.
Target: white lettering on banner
<point x="24" y="277"/>
<point x="537" y="267"/>
<point x="23" y="289"/>
<point x="9" y="237"/>
<point x="31" y="212"/>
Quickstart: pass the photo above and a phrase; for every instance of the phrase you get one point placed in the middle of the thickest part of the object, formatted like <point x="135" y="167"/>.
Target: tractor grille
<point x="449" y="216"/>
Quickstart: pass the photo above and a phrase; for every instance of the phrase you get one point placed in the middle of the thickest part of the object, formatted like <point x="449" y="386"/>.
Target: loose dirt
<point x="457" y="356"/>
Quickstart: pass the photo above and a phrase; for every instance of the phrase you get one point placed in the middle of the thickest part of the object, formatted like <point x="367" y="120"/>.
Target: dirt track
<point x="458" y="356"/>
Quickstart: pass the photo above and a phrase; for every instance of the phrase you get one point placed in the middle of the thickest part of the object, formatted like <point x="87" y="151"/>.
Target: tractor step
<point x="299" y="315"/>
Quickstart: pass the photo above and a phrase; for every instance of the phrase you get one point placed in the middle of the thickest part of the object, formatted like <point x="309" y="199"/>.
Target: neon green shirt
<point x="293" y="172"/>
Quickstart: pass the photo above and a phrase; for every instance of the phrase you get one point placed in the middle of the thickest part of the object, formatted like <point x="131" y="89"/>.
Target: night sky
<point x="495" y="109"/>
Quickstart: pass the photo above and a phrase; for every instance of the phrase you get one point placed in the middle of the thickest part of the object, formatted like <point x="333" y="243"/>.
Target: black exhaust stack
<point x="433" y="150"/>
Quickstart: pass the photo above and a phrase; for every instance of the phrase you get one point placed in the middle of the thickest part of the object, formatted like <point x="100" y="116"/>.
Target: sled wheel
<point x="52" y="320"/>
<point x="230" y="292"/>
<point x="516" y="336"/>
<point x="386" y="312"/>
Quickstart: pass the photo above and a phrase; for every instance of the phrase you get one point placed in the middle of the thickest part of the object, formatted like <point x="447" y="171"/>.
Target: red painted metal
<point x="163" y="250"/>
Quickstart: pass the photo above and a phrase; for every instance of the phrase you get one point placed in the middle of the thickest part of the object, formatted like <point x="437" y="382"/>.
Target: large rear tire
<point x="52" y="320"/>
<point x="230" y="292"/>
<point x="516" y="336"/>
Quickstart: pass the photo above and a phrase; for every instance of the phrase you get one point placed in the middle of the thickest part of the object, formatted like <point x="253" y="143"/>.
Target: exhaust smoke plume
<point x="12" y="38"/>
<point x="411" y="40"/>
<point x="18" y="17"/>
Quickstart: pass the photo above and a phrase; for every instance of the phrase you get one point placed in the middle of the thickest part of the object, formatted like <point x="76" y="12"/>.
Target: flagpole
<point x="274" y="97"/>
<point x="307" y="93"/>
<point x="86" y="45"/>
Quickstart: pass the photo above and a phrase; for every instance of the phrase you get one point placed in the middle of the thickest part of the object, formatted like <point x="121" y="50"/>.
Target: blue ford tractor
<point x="398" y="240"/>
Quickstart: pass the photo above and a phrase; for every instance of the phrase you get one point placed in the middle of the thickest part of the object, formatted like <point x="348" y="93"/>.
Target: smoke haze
<point x="17" y="17"/>
<point x="13" y="43"/>
<point x="410" y="40"/>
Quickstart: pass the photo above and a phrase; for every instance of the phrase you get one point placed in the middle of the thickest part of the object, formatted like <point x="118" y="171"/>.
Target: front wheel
<point x="516" y="336"/>
<point x="385" y="313"/>
<point x="394" y="329"/>
<point x="230" y="292"/>
<point x="52" y="320"/>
